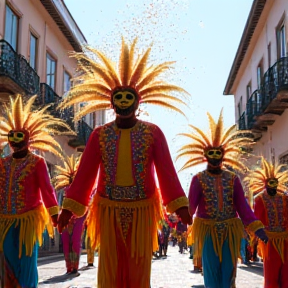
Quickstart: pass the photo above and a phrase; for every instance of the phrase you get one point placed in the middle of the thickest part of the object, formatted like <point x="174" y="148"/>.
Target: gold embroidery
<point x="77" y="208"/>
<point x="53" y="210"/>
<point x="176" y="204"/>
<point x="125" y="217"/>
<point x="254" y="226"/>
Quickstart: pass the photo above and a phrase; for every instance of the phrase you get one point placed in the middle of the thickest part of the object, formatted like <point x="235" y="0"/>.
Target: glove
<point x="260" y="233"/>
<point x="54" y="219"/>
<point x="183" y="213"/>
<point x="63" y="219"/>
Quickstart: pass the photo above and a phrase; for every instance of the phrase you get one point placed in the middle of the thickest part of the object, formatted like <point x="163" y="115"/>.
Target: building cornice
<point x="252" y="21"/>
<point x="64" y="20"/>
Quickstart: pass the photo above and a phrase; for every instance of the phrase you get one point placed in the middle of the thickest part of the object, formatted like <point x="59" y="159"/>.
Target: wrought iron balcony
<point x="15" y="67"/>
<point x="253" y="108"/>
<point x="48" y="96"/>
<point x="83" y="133"/>
<point x="271" y="99"/>
<point x="242" y="122"/>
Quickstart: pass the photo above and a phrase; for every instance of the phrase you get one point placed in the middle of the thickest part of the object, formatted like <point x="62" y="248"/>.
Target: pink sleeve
<point x="85" y="178"/>
<point x="242" y="207"/>
<point x="47" y="190"/>
<point x="169" y="183"/>
<point x="195" y="193"/>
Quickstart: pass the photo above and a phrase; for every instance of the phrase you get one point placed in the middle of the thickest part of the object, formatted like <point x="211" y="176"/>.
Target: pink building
<point x="35" y="39"/>
<point x="258" y="79"/>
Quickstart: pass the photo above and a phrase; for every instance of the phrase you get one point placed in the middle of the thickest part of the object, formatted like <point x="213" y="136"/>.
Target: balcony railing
<point x="17" y="68"/>
<point x="274" y="80"/>
<point x="253" y="108"/>
<point x="242" y="122"/>
<point x="84" y="132"/>
<point x="48" y="96"/>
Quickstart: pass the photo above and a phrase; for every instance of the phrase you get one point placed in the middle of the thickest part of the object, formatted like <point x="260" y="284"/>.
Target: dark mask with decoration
<point x="271" y="186"/>
<point x="18" y="139"/>
<point x="214" y="157"/>
<point x="269" y="177"/>
<point x="124" y="101"/>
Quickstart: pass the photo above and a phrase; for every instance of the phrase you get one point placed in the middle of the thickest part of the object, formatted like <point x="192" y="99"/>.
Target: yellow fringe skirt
<point x="219" y="231"/>
<point x="32" y="225"/>
<point x="106" y="218"/>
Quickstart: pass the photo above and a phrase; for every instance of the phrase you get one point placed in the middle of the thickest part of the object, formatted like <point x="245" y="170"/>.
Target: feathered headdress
<point x="230" y="143"/>
<point x="65" y="175"/>
<point x="40" y="125"/>
<point x="256" y="180"/>
<point x="99" y="79"/>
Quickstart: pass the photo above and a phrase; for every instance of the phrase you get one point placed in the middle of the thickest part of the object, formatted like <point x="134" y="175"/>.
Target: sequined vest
<point x="13" y="173"/>
<point x="276" y="209"/>
<point x="218" y="194"/>
<point x="141" y="145"/>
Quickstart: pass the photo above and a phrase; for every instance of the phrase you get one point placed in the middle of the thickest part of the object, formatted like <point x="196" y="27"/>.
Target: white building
<point x="258" y="79"/>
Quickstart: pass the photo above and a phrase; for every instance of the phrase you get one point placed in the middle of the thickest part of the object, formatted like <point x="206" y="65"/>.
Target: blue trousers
<point x="217" y="274"/>
<point x="23" y="269"/>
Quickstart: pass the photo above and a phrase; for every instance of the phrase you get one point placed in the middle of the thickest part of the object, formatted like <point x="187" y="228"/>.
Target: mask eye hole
<point x="118" y="96"/>
<point x="129" y="96"/>
<point x="20" y="135"/>
<point x="210" y="152"/>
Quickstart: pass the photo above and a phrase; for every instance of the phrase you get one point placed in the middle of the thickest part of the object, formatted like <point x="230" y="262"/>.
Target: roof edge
<point x="250" y="26"/>
<point x="60" y="14"/>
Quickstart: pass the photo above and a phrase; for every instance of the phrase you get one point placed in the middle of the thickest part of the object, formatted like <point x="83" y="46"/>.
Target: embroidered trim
<point x="177" y="203"/>
<point x="53" y="210"/>
<point x="255" y="225"/>
<point x="77" y="208"/>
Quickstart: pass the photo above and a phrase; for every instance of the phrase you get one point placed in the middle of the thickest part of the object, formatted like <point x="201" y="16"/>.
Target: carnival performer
<point x="268" y="185"/>
<point x="126" y="208"/>
<point x="72" y="234"/>
<point x="28" y="201"/>
<point x="217" y="197"/>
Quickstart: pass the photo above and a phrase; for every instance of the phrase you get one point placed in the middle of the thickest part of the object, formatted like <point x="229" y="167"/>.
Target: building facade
<point x="258" y="79"/>
<point x="36" y="37"/>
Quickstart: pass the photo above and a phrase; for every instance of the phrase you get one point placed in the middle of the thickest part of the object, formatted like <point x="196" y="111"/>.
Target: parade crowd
<point x="124" y="189"/>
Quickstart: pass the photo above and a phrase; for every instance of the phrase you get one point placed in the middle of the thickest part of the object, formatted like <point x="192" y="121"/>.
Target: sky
<point x="202" y="36"/>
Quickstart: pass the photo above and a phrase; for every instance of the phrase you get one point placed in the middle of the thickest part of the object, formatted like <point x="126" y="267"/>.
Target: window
<point x="269" y="54"/>
<point x="259" y="75"/>
<point x="93" y="119"/>
<point x="11" y="27"/>
<point x="66" y="82"/>
<point x="33" y="51"/>
<point x="240" y="107"/>
<point x="281" y="41"/>
<point x="100" y="117"/>
<point x="248" y="92"/>
<point x="50" y="71"/>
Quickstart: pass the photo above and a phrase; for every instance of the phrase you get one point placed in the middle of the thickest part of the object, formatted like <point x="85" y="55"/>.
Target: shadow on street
<point x="255" y="268"/>
<point x="59" y="279"/>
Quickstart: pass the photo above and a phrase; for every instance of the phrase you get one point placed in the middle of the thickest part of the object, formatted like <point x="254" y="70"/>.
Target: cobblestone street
<point x="175" y="271"/>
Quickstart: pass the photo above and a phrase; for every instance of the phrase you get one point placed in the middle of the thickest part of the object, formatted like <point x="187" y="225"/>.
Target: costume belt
<point x="125" y="193"/>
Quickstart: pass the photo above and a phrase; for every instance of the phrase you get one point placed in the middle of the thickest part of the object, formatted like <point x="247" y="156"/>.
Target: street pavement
<point x="174" y="271"/>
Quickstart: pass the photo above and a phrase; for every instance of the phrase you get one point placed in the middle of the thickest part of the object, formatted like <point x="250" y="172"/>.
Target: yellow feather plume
<point x="41" y="125"/>
<point x="229" y="141"/>
<point x="256" y="179"/>
<point x="65" y="175"/>
<point x="98" y="76"/>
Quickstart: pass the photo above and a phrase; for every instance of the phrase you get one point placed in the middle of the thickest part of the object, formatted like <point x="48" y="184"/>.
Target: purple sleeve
<point x="195" y="193"/>
<point x="242" y="207"/>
